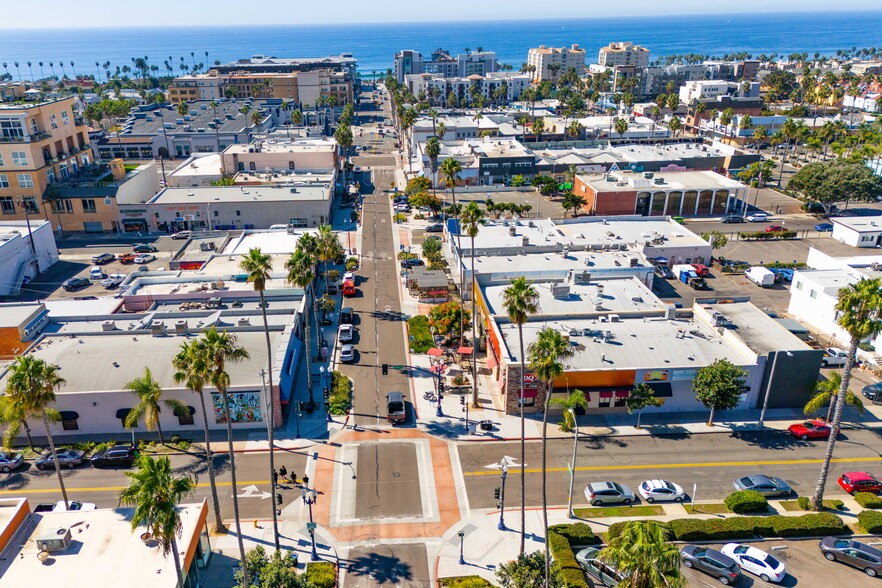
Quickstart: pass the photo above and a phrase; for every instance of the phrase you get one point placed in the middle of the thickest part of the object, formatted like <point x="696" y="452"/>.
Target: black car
<point x="711" y="562"/>
<point x="853" y="553"/>
<point x="732" y="218"/>
<point x="75" y="284"/>
<point x="436" y="228"/>
<point x="414" y="262"/>
<point x="144" y="248"/>
<point x="346" y="316"/>
<point x="67" y="458"/>
<point x="872" y="391"/>
<point x="118" y="455"/>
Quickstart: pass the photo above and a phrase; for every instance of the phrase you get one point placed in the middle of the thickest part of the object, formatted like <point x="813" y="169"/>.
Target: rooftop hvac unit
<point x="525" y="241"/>
<point x="560" y="290"/>
<point x="244" y="321"/>
<point x="207" y="246"/>
<point x="181" y="327"/>
<point x="613" y="318"/>
<point x="581" y="277"/>
<point x="575" y="333"/>
<point x="634" y="261"/>
<point x="108" y="326"/>
<point x="57" y="540"/>
<point x="157" y="328"/>
<point x="511" y="231"/>
<point x="659" y="181"/>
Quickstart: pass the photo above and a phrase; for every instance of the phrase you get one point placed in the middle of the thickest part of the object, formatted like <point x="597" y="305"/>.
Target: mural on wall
<point x="244" y="407"/>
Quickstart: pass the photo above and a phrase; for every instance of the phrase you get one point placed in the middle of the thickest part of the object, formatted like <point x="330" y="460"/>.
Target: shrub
<point x="420" y="337"/>
<point x="351" y="264"/>
<point x="175" y="438"/>
<point x="871" y="521"/>
<point x="340" y="394"/>
<point x="184" y="445"/>
<point x="764" y="236"/>
<point x="464" y="582"/>
<point x="807" y="525"/>
<point x="321" y="574"/>
<point x="746" y="501"/>
<point x="402" y="255"/>
<point x="803" y="502"/>
<point x="868" y="500"/>
<point x="578" y="534"/>
<point x="570" y="570"/>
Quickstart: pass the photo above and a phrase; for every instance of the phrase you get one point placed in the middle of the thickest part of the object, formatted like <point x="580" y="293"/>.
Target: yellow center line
<point x="668" y="466"/>
<point x="114" y="488"/>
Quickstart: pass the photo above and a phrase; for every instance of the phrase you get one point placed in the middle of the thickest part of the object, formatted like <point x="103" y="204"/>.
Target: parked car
<point x="757" y="217"/>
<point x="652" y="490"/>
<point x="67" y="458"/>
<point x="113" y="280"/>
<point x="824" y="227"/>
<point x="180" y="235"/>
<point x="103" y="258"/>
<point x="782" y="274"/>
<point x="872" y="391"/>
<point x="853" y="482"/>
<point x="599" y="493"/>
<point x="117" y="455"/>
<point x="436" y="228"/>
<point x="765" y="485"/>
<point x="349" y="276"/>
<point x="664" y="271"/>
<point x="143" y="248"/>
<point x="711" y="562"/>
<point x="96" y="273"/>
<point x="775" y="229"/>
<point x="756" y="561"/>
<point x="126" y="258"/>
<point x="347" y="353"/>
<point x="762" y="277"/>
<point x="74" y="505"/>
<point x="396" y="410"/>
<point x="814" y="429"/>
<point x="346" y="333"/>
<point x="145" y="258"/>
<point x="701" y="270"/>
<point x="605" y="573"/>
<point x="854" y="553"/>
<point x="10" y="461"/>
<point x="834" y="356"/>
<point x="413" y="262"/>
<point x="732" y="218"/>
<point x="72" y="284"/>
<point x="346" y="316"/>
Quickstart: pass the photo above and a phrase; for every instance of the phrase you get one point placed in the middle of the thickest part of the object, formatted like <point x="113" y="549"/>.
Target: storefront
<point x="133" y="219"/>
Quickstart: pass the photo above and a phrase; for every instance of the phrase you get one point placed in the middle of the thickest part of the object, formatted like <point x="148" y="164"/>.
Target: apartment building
<point x="443" y="65"/>
<point x="551" y="62"/>
<point x="304" y="88"/>
<point x="438" y="88"/>
<point x="711" y="89"/>
<point x="616" y="54"/>
<point x="40" y="143"/>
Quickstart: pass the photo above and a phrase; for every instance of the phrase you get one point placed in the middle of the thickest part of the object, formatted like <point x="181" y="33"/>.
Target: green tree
<point x="297" y="118"/>
<point x="859" y="309"/>
<point x="518" y="180"/>
<point x="30" y="389"/>
<point x="450" y="168"/>
<point x="641" y="397"/>
<point x="621" y="126"/>
<point x="301" y="272"/>
<point x="547" y="354"/>
<point x="718" y="386"/>
<point x="424" y="199"/>
<point x="520" y="300"/>
<point x="191" y="369"/>
<point x="538" y="128"/>
<point x="528" y="571"/>
<point x="275" y="571"/>
<point x="220" y="348"/>
<point x="445" y="318"/>
<point x="840" y="180"/>
<point x="258" y="265"/>
<point x="417" y="185"/>
<point x="825" y="395"/>
<point x="329" y="247"/>
<point x="343" y="136"/>
<point x="643" y="555"/>
<point x="572" y="202"/>
<point x="155" y="492"/>
<point x="675" y="125"/>
<point x="472" y="219"/>
<point x="717" y="239"/>
<point x="149" y="393"/>
<point x="433" y="150"/>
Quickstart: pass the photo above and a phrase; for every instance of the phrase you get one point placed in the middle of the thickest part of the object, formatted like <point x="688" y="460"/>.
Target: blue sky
<point x="113" y="13"/>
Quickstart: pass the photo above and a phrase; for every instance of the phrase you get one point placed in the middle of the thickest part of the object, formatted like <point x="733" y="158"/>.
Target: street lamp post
<point x="461" y="541"/>
<point x="309" y="498"/>
<point x="268" y="408"/>
<point x="297" y="410"/>
<point x="27" y="210"/>
<point x="327" y="391"/>
<point x="501" y="525"/>
<point x="573" y="464"/>
<point x="438" y="411"/>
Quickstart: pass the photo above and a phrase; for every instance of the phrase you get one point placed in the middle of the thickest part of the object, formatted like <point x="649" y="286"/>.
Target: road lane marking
<point x="108" y="488"/>
<point x="668" y="466"/>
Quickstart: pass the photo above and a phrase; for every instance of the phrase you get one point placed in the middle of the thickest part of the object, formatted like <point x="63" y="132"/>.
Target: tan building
<point x="551" y="62"/>
<point x="304" y="87"/>
<point x="300" y="155"/>
<point x="616" y="54"/>
<point x="41" y="143"/>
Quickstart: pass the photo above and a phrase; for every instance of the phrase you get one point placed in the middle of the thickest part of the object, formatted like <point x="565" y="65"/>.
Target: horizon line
<point x="438" y="22"/>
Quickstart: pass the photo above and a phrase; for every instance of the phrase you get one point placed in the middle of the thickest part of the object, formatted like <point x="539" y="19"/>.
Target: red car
<point x="126" y="258"/>
<point x="775" y="229"/>
<point x="815" y="429"/>
<point x="853" y="482"/>
<point x="701" y="270"/>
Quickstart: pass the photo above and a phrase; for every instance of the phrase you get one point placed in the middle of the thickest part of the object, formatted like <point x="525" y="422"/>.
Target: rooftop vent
<point x="157" y="329"/>
<point x="244" y="321"/>
<point x="57" y="540"/>
<point x="560" y="290"/>
<point x="181" y="327"/>
<point x="108" y="326"/>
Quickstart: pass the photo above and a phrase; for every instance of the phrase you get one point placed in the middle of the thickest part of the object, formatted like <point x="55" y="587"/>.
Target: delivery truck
<point x="763" y="277"/>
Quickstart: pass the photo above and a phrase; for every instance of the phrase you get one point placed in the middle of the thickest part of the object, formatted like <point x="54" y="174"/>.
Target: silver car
<point x="599" y="493"/>
<point x="347" y="353"/>
<point x="765" y="485"/>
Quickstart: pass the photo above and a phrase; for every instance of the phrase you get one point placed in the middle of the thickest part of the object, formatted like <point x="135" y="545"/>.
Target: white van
<point x="761" y="276"/>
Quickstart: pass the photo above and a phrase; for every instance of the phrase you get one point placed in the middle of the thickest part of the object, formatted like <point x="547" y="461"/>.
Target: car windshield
<point x="741" y="549"/>
<point x="746" y="482"/>
<point x="617" y="487"/>
<point x="699" y="552"/>
<point x="840" y="543"/>
<point x="808" y="425"/>
<point x="669" y="486"/>
<point x="772" y="562"/>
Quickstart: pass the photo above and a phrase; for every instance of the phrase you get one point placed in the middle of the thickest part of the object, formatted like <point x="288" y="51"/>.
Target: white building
<point x="616" y="54"/>
<point x="858" y="231"/>
<point x="562" y="58"/>
<point x="200" y="169"/>
<point x="868" y="102"/>
<point x="712" y="89"/>
<point x="515" y="83"/>
<point x="24" y="253"/>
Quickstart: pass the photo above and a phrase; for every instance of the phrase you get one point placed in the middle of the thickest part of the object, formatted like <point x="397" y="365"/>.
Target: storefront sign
<point x="683" y="374"/>
<point x="655" y="376"/>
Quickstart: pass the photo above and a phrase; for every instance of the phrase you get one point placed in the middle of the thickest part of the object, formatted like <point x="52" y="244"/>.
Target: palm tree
<point x="192" y="370"/>
<point x="472" y="218"/>
<point x="546" y="354"/>
<point x="301" y="272"/>
<point x="155" y="492"/>
<point x="258" y="266"/>
<point x="149" y="391"/>
<point x="450" y="167"/>
<point x="329" y="248"/>
<point x="30" y="389"/>
<point x="621" y="127"/>
<point x="642" y="554"/>
<point x="825" y="395"/>
<point x="433" y="150"/>
<point x="218" y="349"/>
<point x="520" y="300"/>
<point x="569" y="404"/>
<point x="860" y="314"/>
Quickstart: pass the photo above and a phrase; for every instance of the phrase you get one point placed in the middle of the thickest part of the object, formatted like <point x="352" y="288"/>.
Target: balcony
<point x="38" y="136"/>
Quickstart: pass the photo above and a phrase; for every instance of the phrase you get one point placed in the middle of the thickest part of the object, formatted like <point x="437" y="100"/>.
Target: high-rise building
<point x="623" y="54"/>
<point x="409" y="62"/>
<point x="550" y="62"/>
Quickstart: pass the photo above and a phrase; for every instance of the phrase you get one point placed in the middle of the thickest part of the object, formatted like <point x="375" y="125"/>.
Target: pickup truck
<point x="833" y="356"/>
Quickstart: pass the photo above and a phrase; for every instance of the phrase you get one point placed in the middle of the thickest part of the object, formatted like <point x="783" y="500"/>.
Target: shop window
<point x="604" y="401"/>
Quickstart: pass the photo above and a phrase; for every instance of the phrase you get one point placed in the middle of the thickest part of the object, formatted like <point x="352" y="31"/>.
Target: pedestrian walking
<point x="275" y="478"/>
<point x="283" y="472"/>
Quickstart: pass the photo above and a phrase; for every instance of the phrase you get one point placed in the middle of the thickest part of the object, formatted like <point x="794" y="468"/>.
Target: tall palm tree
<point x="149" y="392"/>
<point x="520" y="300"/>
<point x="13" y="418"/>
<point x="433" y="150"/>
<point x="472" y="218"/>
<point x="860" y="314"/>
<point x="155" y="492"/>
<point x="546" y="355"/>
<point x="825" y="395"/>
<point x="220" y="348"/>
<point x="31" y="389"/>
<point x="329" y="248"/>
<point x="574" y="400"/>
<point x="643" y="555"/>
<point x="450" y="168"/>
<point x="301" y="272"/>
<point x="258" y="266"/>
<point x="191" y="369"/>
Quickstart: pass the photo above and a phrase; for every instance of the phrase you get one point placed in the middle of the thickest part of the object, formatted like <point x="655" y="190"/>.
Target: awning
<point x="623" y="393"/>
<point x="606" y="394"/>
<point x="435" y="351"/>
<point x="177" y="412"/>
<point x="123" y="413"/>
<point x="588" y="396"/>
<point x="661" y="389"/>
<point x="491" y="361"/>
<point x="68" y="415"/>
<point x="465" y="350"/>
<point x="530" y="393"/>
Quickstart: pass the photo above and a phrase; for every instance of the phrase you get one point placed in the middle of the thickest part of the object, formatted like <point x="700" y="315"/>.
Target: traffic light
<point x="385" y="369"/>
<point x="326" y="394"/>
<point x="462" y="400"/>
<point x="496" y="493"/>
<point x="440" y="387"/>
<point x="279" y="498"/>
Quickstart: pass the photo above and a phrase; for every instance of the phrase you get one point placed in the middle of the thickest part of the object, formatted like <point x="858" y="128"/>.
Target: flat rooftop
<point x="613" y="295"/>
<point x="219" y="268"/>
<point x="229" y="194"/>
<point x="104" y="551"/>
<point x="277" y="242"/>
<point x="492" y="149"/>
<point x="860" y="223"/>
<point x="551" y="264"/>
<point x="294" y="145"/>
<point x="228" y="118"/>
<point x="829" y="281"/>
<point x="11" y="229"/>
<point x="192" y="250"/>
<point x="761" y="332"/>
<point x="13" y="314"/>
<point x="635" y="343"/>
<point x="206" y="165"/>
<point x="282" y="177"/>
<point x="627" y="181"/>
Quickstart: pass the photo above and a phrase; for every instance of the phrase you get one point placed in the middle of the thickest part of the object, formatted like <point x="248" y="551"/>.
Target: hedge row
<point x="764" y="236"/>
<point x="561" y="540"/>
<point x="868" y="500"/>
<point x="871" y="521"/>
<point x="746" y="501"/>
<point x="805" y="503"/>
<point x="808" y="525"/>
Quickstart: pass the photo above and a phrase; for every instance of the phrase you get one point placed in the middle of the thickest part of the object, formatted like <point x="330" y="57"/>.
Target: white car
<point x="347" y="353"/>
<point x="144" y="258"/>
<point x="652" y="490"/>
<point x="757" y="217"/>
<point x="346" y="333"/>
<point x="74" y="505"/>
<point x="756" y="561"/>
<point x="349" y="276"/>
<point x="113" y="280"/>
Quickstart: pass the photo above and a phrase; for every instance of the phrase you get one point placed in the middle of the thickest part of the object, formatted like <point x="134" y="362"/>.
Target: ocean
<point x="374" y="45"/>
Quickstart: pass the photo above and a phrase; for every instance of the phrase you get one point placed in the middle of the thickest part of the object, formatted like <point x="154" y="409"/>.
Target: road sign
<point x="397" y="367"/>
<point x="253" y="492"/>
<point x="310" y="527"/>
